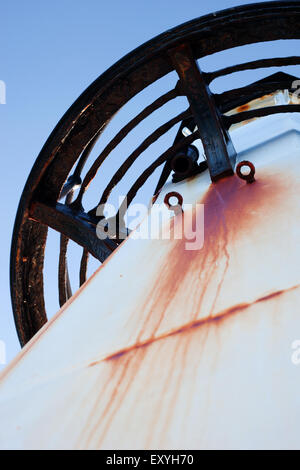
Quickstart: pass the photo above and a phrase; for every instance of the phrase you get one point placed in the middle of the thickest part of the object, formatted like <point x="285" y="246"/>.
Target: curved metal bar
<point x="141" y="148"/>
<point x="27" y="280"/>
<point x="85" y="154"/>
<point x="158" y="103"/>
<point x="240" y="96"/>
<point x="255" y="64"/>
<point x="151" y="168"/>
<point x="261" y="112"/>
<point x="74" y="180"/>
<point x="64" y="285"/>
<point x="83" y="266"/>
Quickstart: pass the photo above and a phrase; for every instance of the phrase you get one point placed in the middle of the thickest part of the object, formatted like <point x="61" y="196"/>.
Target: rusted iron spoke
<point x="167" y="170"/>
<point x="74" y="180"/>
<point x="64" y="286"/>
<point x="151" y="168"/>
<point x="190" y="124"/>
<point x="83" y="266"/>
<point x="239" y="96"/>
<point x="79" y="227"/>
<point x="219" y="150"/>
<point x="140" y="149"/>
<point x="261" y="112"/>
<point x="255" y="64"/>
<point x="86" y="153"/>
<point x="158" y="103"/>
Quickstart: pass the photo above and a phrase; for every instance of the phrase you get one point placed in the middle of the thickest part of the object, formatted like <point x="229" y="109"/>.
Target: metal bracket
<point x="219" y="150"/>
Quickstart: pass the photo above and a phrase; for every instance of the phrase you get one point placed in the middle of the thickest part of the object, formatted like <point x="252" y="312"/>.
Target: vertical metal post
<point x="219" y="150"/>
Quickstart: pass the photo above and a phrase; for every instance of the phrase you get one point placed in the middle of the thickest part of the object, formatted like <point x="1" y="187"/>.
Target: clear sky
<point x="50" y="52"/>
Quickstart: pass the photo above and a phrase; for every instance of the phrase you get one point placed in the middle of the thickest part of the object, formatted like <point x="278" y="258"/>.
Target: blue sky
<point x="50" y="52"/>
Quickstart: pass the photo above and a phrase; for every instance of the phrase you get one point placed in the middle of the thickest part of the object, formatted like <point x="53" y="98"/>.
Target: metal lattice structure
<point x="49" y="200"/>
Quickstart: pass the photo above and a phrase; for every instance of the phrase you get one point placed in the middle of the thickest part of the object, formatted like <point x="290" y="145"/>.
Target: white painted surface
<point x="168" y="348"/>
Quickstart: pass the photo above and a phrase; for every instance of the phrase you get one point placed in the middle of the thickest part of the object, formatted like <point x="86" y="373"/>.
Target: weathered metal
<point x="83" y="267"/>
<point x="184" y="163"/>
<point x="240" y="96"/>
<point x="254" y="113"/>
<point x="255" y="64"/>
<point x="82" y="125"/>
<point x="170" y="95"/>
<point x="219" y="150"/>
<point x="249" y="177"/>
<point x="141" y="148"/>
<point x="64" y="285"/>
<point x="176" y="195"/>
<point x="79" y="227"/>
<point x="167" y="155"/>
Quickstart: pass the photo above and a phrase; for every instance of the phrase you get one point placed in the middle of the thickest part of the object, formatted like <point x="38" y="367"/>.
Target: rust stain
<point x="244" y="107"/>
<point x="264" y="97"/>
<point x="103" y="387"/>
<point x="121" y="378"/>
<point x="94" y="363"/>
<point x="216" y="319"/>
<point x="130" y="371"/>
<point x="253" y="103"/>
<point x="111" y="406"/>
<point x="182" y="343"/>
<point x="166" y="382"/>
<point x="176" y="195"/>
<point x="230" y="209"/>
